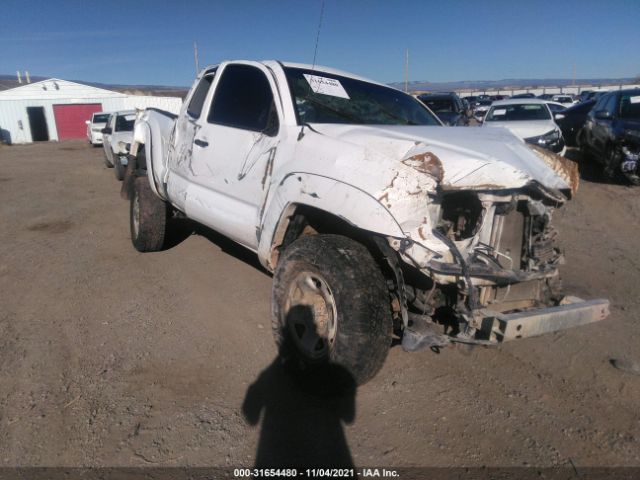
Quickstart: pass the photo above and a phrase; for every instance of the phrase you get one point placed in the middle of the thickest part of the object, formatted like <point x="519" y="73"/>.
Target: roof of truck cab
<point x="316" y="68"/>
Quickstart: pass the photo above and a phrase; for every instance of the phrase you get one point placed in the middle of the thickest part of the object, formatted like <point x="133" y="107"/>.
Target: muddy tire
<point x="148" y="217"/>
<point x="119" y="169"/>
<point x="107" y="163"/>
<point x="331" y="306"/>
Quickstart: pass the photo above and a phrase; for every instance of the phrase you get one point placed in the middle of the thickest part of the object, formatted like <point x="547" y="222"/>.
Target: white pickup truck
<point x="374" y="218"/>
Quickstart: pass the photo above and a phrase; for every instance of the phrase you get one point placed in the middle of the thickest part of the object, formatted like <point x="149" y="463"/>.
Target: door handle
<point x="201" y="143"/>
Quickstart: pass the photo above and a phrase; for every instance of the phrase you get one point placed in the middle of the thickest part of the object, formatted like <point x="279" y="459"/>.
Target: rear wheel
<point x="148" y="217"/>
<point x="118" y="168"/>
<point x="331" y="306"/>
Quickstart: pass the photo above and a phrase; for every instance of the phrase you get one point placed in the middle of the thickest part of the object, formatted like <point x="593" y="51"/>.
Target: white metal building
<point x="56" y="109"/>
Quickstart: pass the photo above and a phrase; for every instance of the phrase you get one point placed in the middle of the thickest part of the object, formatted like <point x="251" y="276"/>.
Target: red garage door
<point x="70" y="119"/>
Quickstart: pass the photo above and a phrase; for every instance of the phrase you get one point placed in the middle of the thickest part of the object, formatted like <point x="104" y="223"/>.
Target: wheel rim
<point x="135" y="215"/>
<point x="312" y="318"/>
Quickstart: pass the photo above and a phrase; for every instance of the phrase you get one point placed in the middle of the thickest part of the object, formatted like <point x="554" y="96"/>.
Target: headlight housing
<point x="550" y="137"/>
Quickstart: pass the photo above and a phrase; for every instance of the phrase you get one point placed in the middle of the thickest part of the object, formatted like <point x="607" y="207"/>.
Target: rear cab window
<point x="196" y="103"/>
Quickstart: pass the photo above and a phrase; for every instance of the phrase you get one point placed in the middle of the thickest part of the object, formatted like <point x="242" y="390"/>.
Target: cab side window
<point x="244" y="100"/>
<point x="611" y="104"/>
<point x="197" y="100"/>
<point x="600" y="103"/>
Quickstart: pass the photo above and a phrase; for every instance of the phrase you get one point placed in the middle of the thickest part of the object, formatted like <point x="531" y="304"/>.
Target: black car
<point x="472" y="99"/>
<point x="584" y="95"/>
<point x="524" y="95"/>
<point x="611" y="134"/>
<point x="573" y="119"/>
<point x="448" y="107"/>
<point x="545" y="96"/>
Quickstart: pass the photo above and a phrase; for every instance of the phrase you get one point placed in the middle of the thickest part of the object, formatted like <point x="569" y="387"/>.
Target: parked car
<point x="117" y="137"/>
<point x="528" y="118"/>
<point x="472" y="99"/>
<point x="556" y="107"/>
<point x="596" y="95"/>
<point x="523" y="95"/>
<point x="370" y="214"/>
<point x="611" y="135"/>
<point x="448" y="107"/>
<point x="566" y="100"/>
<point x="584" y="95"/>
<point x="572" y="121"/>
<point x="545" y="96"/>
<point x="481" y="109"/>
<point x="94" y="127"/>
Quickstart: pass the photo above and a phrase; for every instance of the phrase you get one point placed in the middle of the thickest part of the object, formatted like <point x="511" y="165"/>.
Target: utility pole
<point x="574" y="74"/>
<point x="195" y="56"/>
<point x="19" y="77"/>
<point x="26" y="75"/>
<point x="406" y="72"/>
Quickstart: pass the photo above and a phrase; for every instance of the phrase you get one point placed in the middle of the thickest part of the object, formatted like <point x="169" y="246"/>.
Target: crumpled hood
<point x="468" y="157"/>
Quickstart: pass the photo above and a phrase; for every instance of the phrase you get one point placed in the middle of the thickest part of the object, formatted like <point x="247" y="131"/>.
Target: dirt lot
<point x="112" y="357"/>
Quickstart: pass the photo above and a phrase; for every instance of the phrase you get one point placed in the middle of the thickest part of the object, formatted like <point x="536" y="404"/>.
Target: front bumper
<point x="572" y="312"/>
<point x="500" y="327"/>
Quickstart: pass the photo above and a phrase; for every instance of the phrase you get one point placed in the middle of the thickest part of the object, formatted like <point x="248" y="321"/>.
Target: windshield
<point x="100" y="118"/>
<point x="630" y="106"/>
<point x="124" y="123"/>
<point x="438" y="105"/>
<point x="321" y="97"/>
<point x="518" y="112"/>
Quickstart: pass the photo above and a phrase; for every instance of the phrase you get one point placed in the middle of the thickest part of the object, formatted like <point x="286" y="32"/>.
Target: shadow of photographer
<point x="303" y="411"/>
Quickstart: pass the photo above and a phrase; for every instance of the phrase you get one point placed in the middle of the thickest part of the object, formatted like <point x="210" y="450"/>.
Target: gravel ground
<point x="110" y="357"/>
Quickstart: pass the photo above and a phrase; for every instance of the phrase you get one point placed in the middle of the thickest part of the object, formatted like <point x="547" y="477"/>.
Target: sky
<point x="151" y="42"/>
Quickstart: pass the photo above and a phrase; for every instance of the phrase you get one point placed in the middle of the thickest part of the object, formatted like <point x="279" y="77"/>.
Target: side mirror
<point x="87" y="122"/>
<point x="106" y="131"/>
<point x="603" y="115"/>
<point x="558" y="116"/>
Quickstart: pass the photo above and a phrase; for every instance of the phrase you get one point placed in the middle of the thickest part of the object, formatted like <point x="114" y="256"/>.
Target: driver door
<point x="234" y="148"/>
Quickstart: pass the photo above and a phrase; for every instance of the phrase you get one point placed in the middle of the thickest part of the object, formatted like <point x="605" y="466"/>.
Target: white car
<point x="480" y="110"/>
<point x="530" y="119"/>
<point x="117" y="137"/>
<point x="94" y="127"/>
<point x="566" y="100"/>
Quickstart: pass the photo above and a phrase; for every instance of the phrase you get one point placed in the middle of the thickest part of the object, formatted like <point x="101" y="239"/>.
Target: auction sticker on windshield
<point x="326" y="86"/>
<point x="631" y="99"/>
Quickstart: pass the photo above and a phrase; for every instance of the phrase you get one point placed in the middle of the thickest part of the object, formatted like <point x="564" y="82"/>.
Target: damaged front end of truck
<point x="480" y="264"/>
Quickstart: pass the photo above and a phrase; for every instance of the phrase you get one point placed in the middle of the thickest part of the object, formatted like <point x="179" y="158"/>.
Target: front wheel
<point x="331" y="305"/>
<point x="148" y="217"/>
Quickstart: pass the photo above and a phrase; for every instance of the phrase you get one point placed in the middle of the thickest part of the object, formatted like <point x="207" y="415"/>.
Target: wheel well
<point x="306" y="220"/>
<point x="136" y="167"/>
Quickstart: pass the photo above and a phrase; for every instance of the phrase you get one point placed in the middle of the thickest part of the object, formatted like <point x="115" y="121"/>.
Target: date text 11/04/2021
<point x="314" y="472"/>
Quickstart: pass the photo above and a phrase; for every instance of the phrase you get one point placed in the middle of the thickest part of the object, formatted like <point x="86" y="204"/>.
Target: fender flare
<point x="339" y="199"/>
<point x="142" y="136"/>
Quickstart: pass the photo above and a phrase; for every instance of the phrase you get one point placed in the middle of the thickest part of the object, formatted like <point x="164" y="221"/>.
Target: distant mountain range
<point x="509" y="83"/>
<point x="10" y="81"/>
